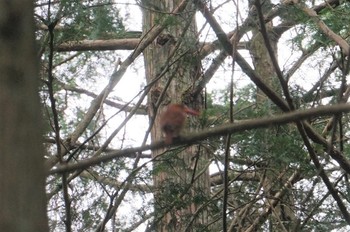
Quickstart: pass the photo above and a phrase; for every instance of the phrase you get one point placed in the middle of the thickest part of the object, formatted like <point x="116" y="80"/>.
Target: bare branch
<point x="262" y="217"/>
<point x="326" y="30"/>
<point x="294" y="116"/>
<point x="98" y="45"/>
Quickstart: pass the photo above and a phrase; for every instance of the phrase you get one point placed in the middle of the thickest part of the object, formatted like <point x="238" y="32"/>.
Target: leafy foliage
<point x="88" y="20"/>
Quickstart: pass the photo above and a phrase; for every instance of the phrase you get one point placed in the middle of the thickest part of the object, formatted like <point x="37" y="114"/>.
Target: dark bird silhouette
<point x="173" y="120"/>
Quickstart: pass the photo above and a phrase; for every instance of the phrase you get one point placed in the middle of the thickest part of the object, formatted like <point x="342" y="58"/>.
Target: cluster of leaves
<point x="92" y="21"/>
<point x="88" y="20"/>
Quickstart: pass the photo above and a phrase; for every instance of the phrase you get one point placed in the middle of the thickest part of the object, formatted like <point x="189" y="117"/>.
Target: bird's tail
<point x="168" y="139"/>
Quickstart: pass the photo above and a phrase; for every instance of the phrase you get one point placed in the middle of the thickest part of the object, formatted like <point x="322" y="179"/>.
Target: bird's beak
<point x="191" y="111"/>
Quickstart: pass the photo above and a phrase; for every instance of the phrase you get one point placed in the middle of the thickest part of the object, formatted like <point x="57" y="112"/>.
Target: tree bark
<point x="22" y="191"/>
<point x="176" y="52"/>
<point x="282" y="217"/>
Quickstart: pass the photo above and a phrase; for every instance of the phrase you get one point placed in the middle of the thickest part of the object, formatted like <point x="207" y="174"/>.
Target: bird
<point x="173" y="119"/>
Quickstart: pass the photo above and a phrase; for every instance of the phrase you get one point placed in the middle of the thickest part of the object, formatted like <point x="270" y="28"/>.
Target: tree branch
<point x="326" y="30"/>
<point x="294" y="116"/>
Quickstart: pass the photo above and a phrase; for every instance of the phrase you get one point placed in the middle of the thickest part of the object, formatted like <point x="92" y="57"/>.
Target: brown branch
<point x="294" y="116"/>
<point x="313" y="135"/>
<point x="227" y="41"/>
<point x="284" y="26"/>
<point x="207" y="48"/>
<point x="128" y="44"/>
<point x="140" y="111"/>
<point x="209" y="73"/>
<point x="94" y="148"/>
<point x="216" y="178"/>
<point x="99" y="45"/>
<point x="330" y="3"/>
<point x="323" y="175"/>
<point x="273" y="58"/>
<point x="262" y="217"/>
<point x="306" y="54"/>
<point x="56" y="125"/>
<point x="326" y="30"/>
<point x="223" y="38"/>
<point x="112" y="182"/>
<point x="260" y="84"/>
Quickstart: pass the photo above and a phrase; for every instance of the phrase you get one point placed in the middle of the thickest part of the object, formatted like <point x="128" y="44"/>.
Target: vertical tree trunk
<point x="283" y="212"/>
<point x="22" y="192"/>
<point x="178" y="194"/>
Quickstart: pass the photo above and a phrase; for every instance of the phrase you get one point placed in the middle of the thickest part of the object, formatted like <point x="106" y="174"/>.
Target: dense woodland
<point x="84" y="84"/>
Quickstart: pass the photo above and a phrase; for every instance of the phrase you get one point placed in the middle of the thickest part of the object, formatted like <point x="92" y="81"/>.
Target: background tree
<point x="239" y="166"/>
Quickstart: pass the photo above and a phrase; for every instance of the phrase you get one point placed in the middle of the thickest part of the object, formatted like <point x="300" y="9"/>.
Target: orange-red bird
<point x="173" y="120"/>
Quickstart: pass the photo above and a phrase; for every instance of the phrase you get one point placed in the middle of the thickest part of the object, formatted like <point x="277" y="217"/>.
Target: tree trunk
<point x="178" y="195"/>
<point x="22" y="192"/>
<point x="282" y="217"/>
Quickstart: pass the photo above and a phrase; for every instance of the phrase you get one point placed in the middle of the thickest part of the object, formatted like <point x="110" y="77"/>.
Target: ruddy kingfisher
<point x="173" y="119"/>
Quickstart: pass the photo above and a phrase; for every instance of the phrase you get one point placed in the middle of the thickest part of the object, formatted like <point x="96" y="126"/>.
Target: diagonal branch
<point x="263" y="216"/>
<point x="273" y="58"/>
<point x="123" y="106"/>
<point x="223" y="38"/>
<point x="326" y="30"/>
<point x="305" y="54"/>
<point x="323" y="175"/>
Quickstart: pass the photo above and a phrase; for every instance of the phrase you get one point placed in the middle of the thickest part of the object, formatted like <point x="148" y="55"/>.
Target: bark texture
<point x="22" y="192"/>
<point x="282" y="216"/>
<point x="172" y="66"/>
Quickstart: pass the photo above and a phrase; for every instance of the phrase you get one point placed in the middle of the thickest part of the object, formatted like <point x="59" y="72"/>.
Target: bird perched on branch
<point x="173" y="120"/>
